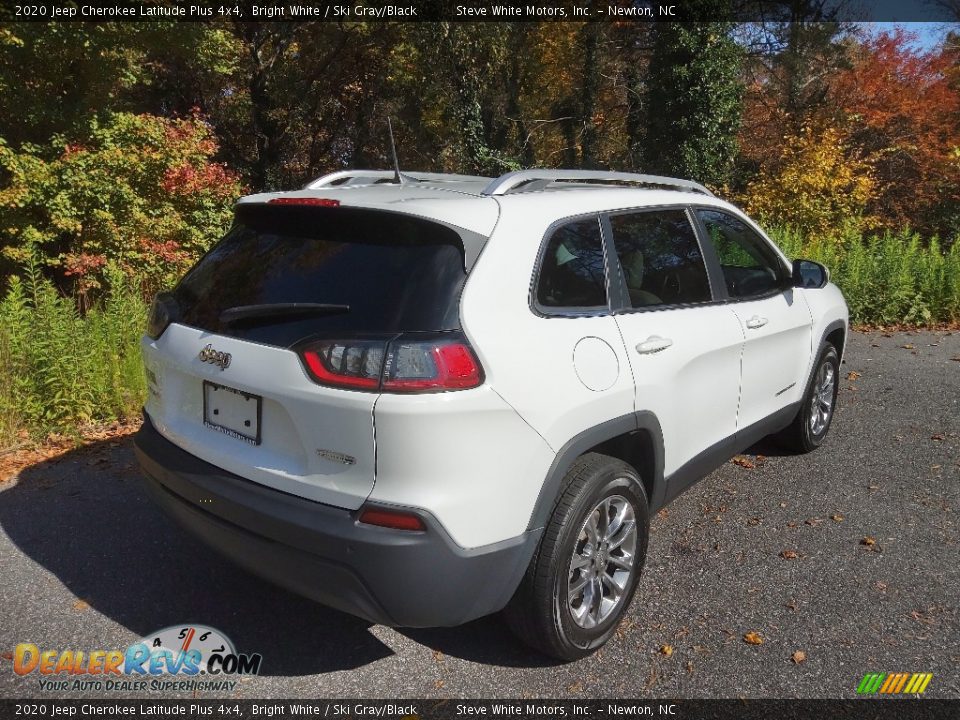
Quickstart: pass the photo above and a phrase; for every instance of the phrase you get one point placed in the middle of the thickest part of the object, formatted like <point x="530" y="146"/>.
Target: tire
<point x="807" y="431"/>
<point x="542" y="613"/>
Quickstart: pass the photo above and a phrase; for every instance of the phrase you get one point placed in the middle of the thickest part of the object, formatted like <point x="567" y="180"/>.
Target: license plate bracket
<point x="232" y="412"/>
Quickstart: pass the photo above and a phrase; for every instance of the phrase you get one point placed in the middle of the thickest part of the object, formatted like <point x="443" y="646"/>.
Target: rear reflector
<point x="315" y="202"/>
<point x="392" y="519"/>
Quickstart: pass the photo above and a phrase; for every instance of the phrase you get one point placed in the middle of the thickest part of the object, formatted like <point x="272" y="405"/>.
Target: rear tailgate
<point x="315" y="442"/>
<point x="226" y="377"/>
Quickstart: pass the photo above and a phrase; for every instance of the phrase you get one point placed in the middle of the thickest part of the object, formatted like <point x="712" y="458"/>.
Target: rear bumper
<point x="412" y="579"/>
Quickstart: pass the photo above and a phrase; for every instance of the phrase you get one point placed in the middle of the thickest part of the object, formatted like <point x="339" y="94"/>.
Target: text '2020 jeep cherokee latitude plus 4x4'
<point x="425" y="401"/>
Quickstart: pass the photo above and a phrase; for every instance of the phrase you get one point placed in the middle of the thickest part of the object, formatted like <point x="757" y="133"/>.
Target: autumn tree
<point x="901" y="108"/>
<point x="140" y="193"/>
<point x="816" y="185"/>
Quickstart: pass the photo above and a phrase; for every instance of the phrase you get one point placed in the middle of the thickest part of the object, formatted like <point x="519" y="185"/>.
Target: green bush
<point x="140" y="193"/>
<point x="62" y="370"/>
<point x="888" y="279"/>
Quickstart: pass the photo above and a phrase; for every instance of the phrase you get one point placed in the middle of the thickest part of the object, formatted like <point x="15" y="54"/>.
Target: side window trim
<point x="714" y="270"/>
<point x="572" y="311"/>
<point x="623" y="306"/>
<point x="714" y="263"/>
<point x="617" y="292"/>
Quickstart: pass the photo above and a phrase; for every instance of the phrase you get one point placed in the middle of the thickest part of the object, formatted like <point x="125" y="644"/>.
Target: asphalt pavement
<point x="842" y="562"/>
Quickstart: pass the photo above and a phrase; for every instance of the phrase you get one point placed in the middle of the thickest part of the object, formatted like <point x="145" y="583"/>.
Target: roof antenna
<point x="398" y="177"/>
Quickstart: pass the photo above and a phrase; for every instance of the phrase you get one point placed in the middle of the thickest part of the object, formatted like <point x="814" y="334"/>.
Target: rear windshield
<point x="379" y="272"/>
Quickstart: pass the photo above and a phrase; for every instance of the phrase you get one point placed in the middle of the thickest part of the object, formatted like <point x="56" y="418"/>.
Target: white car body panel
<point x="299" y="417"/>
<point x="466" y="457"/>
<point x="692" y="386"/>
<point x="776" y="352"/>
<point x="528" y="358"/>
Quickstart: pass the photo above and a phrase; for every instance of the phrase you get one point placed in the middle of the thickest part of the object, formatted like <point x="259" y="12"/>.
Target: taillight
<point x="403" y="365"/>
<point x="163" y="311"/>
<point x="346" y="363"/>
<point x="419" y="366"/>
<point x="392" y="519"/>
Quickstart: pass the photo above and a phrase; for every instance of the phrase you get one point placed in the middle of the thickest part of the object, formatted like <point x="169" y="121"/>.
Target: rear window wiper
<point x="279" y="311"/>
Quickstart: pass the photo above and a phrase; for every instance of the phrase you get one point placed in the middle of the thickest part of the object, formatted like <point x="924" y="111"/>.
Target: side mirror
<point x="810" y="274"/>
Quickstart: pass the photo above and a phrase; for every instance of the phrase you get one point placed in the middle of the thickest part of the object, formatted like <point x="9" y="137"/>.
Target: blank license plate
<point x="232" y="412"/>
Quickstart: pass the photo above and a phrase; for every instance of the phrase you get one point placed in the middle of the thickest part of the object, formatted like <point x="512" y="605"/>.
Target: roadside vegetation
<point x="846" y="144"/>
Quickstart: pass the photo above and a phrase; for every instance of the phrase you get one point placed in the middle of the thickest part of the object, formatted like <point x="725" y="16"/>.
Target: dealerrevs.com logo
<point x="177" y="658"/>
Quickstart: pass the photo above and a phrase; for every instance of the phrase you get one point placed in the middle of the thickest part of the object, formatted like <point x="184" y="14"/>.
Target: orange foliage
<point x="903" y="114"/>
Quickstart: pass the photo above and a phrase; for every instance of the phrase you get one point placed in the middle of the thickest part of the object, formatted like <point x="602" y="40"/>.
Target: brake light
<point x="315" y="202"/>
<point x="413" y="367"/>
<point x="403" y="365"/>
<point x="392" y="519"/>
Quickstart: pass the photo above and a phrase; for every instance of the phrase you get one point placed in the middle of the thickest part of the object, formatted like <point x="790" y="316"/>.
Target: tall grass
<point x="60" y="370"/>
<point x="889" y="279"/>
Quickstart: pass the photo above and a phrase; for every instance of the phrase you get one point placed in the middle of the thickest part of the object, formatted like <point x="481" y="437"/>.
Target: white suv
<point x="425" y="398"/>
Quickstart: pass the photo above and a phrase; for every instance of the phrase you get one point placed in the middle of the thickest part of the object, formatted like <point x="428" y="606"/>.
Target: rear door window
<point x="660" y="257"/>
<point x="376" y="272"/>
<point x="572" y="274"/>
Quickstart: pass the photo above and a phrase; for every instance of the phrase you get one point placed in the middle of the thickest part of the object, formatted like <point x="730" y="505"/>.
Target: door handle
<point x="756" y="322"/>
<point x="654" y="344"/>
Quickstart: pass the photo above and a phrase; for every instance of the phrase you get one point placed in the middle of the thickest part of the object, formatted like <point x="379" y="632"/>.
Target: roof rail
<point x="528" y="180"/>
<point x="348" y="178"/>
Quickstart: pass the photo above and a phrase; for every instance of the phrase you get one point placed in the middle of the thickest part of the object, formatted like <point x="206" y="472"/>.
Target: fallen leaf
<point x="743" y="462"/>
<point x="868" y="541"/>
<point x="907" y="346"/>
<point x="666" y="650"/>
<point x="936" y="467"/>
<point x="438" y="656"/>
<point x="438" y="684"/>
<point x="887" y="335"/>
<point x="812" y="521"/>
<point x="798" y="657"/>
<point x="880" y="586"/>
<point x="689" y="666"/>
<point x="783" y="504"/>
<point x="754" y="521"/>
<point x="956" y="359"/>
<point x="575" y="686"/>
<point x="81" y="605"/>
<point x="792" y="604"/>
<point x="853" y="375"/>
<point x="873" y="487"/>
<point x="837" y="517"/>
<point x="6" y="655"/>
<point x="789" y="555"/>
<point x="938" y="437"/>
<point x="752" y="638"/>
<point x="791" y="524"/>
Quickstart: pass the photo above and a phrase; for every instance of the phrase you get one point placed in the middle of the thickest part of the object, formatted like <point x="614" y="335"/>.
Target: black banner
<point x="904" y="708"/>
<point x="640" y="11"/>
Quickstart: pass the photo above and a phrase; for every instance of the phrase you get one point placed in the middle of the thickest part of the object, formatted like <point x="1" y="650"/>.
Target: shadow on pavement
<point x="85" y="518"/>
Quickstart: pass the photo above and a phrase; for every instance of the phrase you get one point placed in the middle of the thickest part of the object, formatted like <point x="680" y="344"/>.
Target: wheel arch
<point x="836" y="335"/>
<point x="635" y="439"/>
